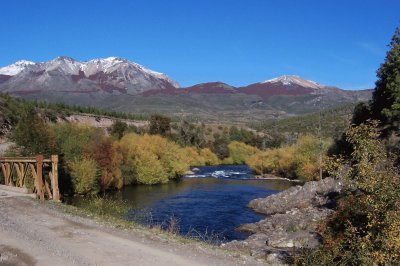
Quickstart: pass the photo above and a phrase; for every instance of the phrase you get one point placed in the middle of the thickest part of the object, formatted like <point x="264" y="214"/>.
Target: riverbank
<point x="274" y="177"/>
<point x="47" y="233"/>
<point x="292" y="218"/>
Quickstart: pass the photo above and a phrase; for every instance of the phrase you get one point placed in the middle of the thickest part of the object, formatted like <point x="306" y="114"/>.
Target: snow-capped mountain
<point x="286" y="85"/>
<point x="121" y="85"/>
<point x="64" y="74"/>
<point x="15" y="68"/>
<point x="294" y="80"/>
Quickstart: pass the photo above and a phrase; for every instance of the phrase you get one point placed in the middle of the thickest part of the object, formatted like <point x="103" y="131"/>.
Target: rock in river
<point x="292" y="218"/>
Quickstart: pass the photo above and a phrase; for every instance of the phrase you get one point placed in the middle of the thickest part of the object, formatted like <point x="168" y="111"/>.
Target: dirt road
<point x="33" y="233"/>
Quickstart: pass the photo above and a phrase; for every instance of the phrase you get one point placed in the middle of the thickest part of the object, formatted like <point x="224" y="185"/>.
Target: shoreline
<point x="273" y="177"/>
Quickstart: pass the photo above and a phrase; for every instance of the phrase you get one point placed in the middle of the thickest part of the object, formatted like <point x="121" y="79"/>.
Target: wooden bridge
<point x="38" y="174"/>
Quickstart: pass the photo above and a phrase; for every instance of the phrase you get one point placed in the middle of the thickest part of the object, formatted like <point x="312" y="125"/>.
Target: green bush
<point x="118" y="128"/>
<point x="308" y="157"/>
<point x="71" y="139"/>
<point x="32" y="135"/>
<point x="240" y="152"/>
<point x="85" y="176"/>
<point x="154" y="159"/>
<point x="301" y="160"/>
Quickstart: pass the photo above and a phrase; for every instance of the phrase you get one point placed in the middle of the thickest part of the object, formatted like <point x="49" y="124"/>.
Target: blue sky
<point x="239" y="42"/>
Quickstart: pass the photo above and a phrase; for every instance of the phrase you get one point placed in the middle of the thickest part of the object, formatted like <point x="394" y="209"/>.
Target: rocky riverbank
<point x="291" y="222"/>
<point x="274" y="177"/>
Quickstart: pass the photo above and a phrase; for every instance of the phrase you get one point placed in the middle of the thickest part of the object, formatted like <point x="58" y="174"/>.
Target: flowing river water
<point x="210" y="203"/>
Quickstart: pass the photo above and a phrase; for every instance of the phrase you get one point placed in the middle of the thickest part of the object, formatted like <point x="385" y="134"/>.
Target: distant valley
<point x="121" y="85"/>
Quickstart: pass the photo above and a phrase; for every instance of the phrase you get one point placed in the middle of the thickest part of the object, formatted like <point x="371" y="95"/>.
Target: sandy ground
<point x="34" y="233"/>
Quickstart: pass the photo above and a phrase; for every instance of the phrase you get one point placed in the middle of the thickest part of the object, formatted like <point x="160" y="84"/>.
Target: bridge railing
<point x="20" y="171"/>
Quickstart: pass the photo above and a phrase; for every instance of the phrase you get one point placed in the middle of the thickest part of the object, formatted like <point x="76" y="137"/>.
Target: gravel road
<point x="33" y="233"/>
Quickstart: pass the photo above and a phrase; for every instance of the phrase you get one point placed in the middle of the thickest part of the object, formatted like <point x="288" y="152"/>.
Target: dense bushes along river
<point x="94" y="161"/>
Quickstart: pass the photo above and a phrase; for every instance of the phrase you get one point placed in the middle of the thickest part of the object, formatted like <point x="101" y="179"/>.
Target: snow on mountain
<point x="125" y="68"/>
<point x="15" y="68"/>
<point x="63" y="64"/>
<point x="294" y="80"/>
<point x="67" y="74"/>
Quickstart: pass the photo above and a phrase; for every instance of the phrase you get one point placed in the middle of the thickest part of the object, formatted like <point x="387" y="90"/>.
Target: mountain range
<point x="121" y="85"/>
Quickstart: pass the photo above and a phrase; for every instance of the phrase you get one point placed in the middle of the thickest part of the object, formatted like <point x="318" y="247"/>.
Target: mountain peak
<point x="294" y="80"/>
<point x="24" y="62"/>
<point x="112" y="74"/>
<point x="212" y="87"/>
<point x="15" y="68"/>
<point x="64" y="58"/>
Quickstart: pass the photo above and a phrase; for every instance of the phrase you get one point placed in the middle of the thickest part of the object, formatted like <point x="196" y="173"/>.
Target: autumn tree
<point x="159" y="124"/>
<point x="104" y="151"/>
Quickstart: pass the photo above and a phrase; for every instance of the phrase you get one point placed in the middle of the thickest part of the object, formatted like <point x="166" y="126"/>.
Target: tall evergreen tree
<point x="385" y="104"/>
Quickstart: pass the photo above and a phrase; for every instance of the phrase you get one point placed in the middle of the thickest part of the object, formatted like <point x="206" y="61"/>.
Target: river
<point x="211" y="203"/>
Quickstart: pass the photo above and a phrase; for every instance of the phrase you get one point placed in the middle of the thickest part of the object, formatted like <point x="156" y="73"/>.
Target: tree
<point x="361" y="113"/>
<point x="220" y="148"/>
<point x="241" y="152"/>
<point x="159" y="124"/>
<point x="84" y="175"/>
<point x="104" y="151"/>
<point x="365" y="228"/>
<point x="32" y="134"/>
<point x="189" y="134"/>
<point x="385" y="104"/>
<point x="118" y="128"/>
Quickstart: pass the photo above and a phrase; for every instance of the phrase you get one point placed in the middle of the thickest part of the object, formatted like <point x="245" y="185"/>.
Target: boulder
<point x="314" y="193"/>
<point x="292" y="218"/>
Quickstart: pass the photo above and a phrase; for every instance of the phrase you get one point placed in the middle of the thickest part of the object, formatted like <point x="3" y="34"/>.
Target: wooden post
<point x="8" y="172"/>
<point x="48" y="191"/>
<point x="24" y="170"/>
<point x="54" y="177"/>
<point x="39" y="176"/>
<point x="19" y="170"/>
<point x="3" y="169"/>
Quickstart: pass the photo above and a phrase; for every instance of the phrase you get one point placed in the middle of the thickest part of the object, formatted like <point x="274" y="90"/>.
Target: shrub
<point x="193" y="156"/>
<point x="365" y="229"/>
<point x="220" y="148"/>
<point x="72" y="138"/>
<point x="274" y="161"/>
<point x="209" y="157"/>
<point x="108" y="158"/>
<point x="159" y="124"/>
<point x="84" y="175"/>
<point x="32" y="135"/>
<point x="118" y="128"/>
<point x="154" y="159"/>
<point x="148" y="168"/>
<point x="300" y="160"/>
<point x="240" y="152"/>
<point x="308" y="157"/>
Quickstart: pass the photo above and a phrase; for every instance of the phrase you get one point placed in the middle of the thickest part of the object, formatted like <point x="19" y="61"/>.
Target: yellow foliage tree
<point x="209" y="157"/>
<point x="84" y="175"/>
<point x="241" y="152"/>
<point x="308" y="156"/>
<point x="154" y="159"/>
<point x="301" y="160"/>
